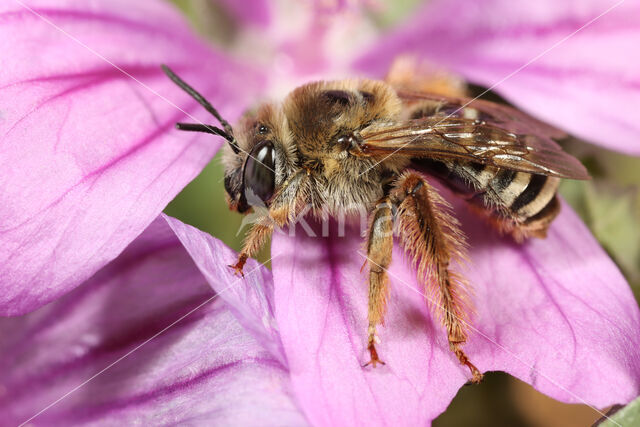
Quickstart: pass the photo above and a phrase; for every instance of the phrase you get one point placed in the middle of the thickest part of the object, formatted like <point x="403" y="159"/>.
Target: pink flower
<point x="204" y="366"/>
<point x="88" y="160"/>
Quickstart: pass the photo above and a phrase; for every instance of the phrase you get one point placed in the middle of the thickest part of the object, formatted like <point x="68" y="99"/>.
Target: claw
<point x="237" y="270"/>
<point x="476" y="375"/>
<point x="238" y="266"/>
<point x="374" y="357"/>
<point x="364" y="264"/>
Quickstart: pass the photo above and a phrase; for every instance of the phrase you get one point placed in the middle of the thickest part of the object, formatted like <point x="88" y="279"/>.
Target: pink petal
<point x="309" y="40"/>
<point x="588" y="84"/>
<point x="88" y="156"/>
<point x="204" y="369"/>
<point x="321" y="309"/>
<point x="556" y="313"/>
<point x="250" y="298"/>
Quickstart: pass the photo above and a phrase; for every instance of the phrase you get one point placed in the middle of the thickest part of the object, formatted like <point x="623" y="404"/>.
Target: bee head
<point x="249" y="177"/>
<point x="250" y="173"/>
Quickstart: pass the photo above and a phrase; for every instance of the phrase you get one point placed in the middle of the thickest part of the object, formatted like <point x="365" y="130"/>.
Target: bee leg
<point x="379" y="247"/>
<point x="239" y="265"/>
<point x="253" y="242"/>
<point x="433" y="239"/>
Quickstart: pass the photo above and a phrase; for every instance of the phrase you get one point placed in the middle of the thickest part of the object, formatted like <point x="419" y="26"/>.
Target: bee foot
<point x="237" y="270"/>
<point x="374" y="357"/>
<point x="476" y="375"/>
<point x="238" y="266"/>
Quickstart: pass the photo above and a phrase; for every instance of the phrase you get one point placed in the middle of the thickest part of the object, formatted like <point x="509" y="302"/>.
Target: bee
<point x="339" y="146"/>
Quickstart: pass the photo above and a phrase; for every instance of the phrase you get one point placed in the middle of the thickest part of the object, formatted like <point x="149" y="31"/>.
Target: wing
<point x="479" y="131"/>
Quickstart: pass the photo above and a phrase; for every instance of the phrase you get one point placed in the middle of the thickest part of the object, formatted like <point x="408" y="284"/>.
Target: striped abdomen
<point x="517" y="202"/>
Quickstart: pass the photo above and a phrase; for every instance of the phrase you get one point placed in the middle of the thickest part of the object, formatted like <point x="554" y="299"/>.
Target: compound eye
<point x="259" y="178"/>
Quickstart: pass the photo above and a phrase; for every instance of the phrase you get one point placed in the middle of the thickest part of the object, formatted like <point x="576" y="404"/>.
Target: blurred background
<point x="609" y="205"/>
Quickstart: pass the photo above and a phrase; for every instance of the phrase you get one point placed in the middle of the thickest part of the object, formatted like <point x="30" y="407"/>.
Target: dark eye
<point x="259" y="175"/>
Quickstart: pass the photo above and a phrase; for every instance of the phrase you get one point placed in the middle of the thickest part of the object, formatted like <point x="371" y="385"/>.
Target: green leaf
<point x="627" y="416"/>
<point x="610" y="212"/>
<point x="614" y="224"/>
<point x="390" y="13"/>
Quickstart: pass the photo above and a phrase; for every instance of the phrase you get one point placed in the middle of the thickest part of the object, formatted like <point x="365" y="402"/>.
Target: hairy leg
<point x="282" y="211"/>
<point x="256" y="238"/>
<point x="379" y="247"/>
<point x="433" y="239"/>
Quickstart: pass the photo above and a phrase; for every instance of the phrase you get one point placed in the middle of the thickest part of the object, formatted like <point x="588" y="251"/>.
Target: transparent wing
<point x="478" y="131"/>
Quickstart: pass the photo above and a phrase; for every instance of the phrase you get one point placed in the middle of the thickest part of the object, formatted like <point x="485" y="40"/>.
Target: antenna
<point x="227" y="133"/>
